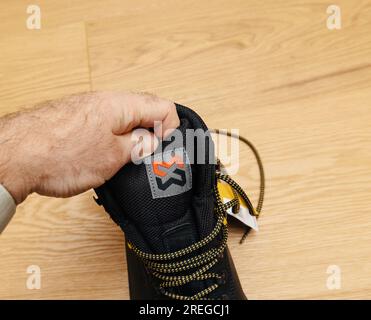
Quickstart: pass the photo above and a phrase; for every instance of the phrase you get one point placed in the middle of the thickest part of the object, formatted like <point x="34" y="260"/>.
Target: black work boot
<point x="174" y="219"/>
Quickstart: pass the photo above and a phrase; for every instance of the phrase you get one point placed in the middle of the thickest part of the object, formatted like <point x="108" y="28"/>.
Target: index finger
<point x="143" y="110"/>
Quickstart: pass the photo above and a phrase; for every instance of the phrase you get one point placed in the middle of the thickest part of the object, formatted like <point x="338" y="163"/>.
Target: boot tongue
<point x="156" y="197"/>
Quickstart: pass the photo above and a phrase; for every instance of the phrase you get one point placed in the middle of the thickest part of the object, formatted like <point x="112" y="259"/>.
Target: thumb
<point x="137" y="145"/>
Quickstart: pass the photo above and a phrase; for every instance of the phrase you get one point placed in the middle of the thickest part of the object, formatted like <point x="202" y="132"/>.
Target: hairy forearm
<point x="67" y="146"/>
<point x="13" y="156"/>
<point x="36" y="141"/>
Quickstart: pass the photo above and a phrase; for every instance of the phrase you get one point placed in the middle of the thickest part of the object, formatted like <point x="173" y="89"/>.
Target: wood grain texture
<point x="42" y="64"/>
<point x="271" y="69"/>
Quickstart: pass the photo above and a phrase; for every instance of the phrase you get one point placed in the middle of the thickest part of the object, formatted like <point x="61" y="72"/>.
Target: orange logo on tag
<point x="169" y="173"/>
<point x="167" y="165"/>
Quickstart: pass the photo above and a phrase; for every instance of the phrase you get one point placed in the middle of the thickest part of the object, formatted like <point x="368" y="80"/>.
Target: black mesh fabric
<point x="151" y="224"/>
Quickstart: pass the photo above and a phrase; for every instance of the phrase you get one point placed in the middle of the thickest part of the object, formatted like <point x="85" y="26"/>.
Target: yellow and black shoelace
<point x="235" y="187"/>
<point x="169" y="268"/>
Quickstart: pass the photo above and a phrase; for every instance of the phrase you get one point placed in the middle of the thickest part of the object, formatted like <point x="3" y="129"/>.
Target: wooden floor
<point x="299" y="91"/>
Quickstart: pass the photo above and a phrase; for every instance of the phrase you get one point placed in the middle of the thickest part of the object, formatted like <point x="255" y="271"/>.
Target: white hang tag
<point x="244" y="216"/>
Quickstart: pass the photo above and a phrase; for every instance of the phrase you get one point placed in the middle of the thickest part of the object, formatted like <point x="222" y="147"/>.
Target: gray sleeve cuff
<point x="7" y="208"/>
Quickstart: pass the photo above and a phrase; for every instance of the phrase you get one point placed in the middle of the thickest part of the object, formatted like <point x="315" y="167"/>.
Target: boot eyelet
<point x="222" y="280"/>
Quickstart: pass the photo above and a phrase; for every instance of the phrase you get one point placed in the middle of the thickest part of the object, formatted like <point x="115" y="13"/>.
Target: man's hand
<point x="67" y="146"/>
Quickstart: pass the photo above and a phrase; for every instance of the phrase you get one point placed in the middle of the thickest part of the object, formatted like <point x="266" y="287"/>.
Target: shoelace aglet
<point x="256" y="213"/>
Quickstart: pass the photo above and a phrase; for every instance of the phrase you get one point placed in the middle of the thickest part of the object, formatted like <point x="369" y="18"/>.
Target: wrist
<point x="13" y="185"/>
<point x="13" y="169"/>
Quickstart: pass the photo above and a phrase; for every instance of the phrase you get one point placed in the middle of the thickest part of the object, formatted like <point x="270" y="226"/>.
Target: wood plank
<point x="296" y="89"/>
<point x="271" y="69"/>
<point x="77" y="247"/>
<point x="36" y="65"/>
